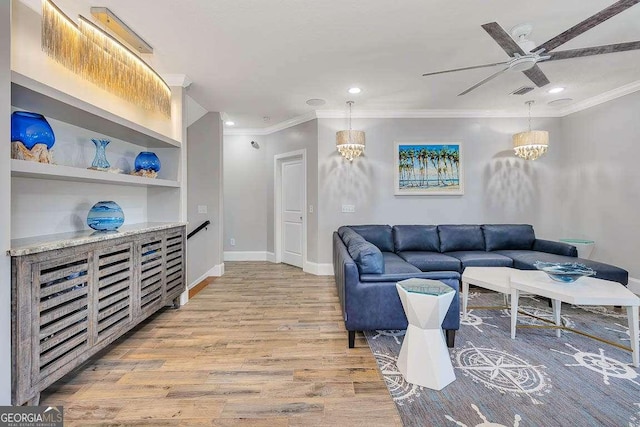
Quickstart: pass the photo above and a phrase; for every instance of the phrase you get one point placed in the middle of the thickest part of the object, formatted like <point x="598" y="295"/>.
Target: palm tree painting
<point x="428" y="169"/>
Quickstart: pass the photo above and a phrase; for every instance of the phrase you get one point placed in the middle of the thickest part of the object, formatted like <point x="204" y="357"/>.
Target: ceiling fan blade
<point x="491" y="77"/>
<point x="587" y="24"/>
<point x="536" y="75"/>
<point x="466" y="68"/>
<point x="503" y="38"/>
<point x="596" y="50"/>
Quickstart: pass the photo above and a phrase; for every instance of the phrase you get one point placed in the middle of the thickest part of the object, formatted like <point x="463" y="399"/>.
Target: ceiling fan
<point x="527" y="61"/>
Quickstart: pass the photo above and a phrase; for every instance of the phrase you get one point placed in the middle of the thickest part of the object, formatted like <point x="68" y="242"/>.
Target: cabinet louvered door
<point x="113" y="298"/>
<point x="62" y="297"/>
<point x="175" y="274"/>
<point x="151" y="274"/>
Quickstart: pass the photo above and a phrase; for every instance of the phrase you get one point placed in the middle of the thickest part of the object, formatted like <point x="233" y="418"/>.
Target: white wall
<point x="5" y="205"/>
<point x="499" y="188"/>
<point x="205" y="184"/>
<point x="302" y="136"/>
<point x="601" y="180"/>
<point x="245" y="194"/>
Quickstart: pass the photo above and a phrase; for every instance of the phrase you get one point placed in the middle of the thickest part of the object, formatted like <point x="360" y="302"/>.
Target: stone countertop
<point x="33" y="245"/>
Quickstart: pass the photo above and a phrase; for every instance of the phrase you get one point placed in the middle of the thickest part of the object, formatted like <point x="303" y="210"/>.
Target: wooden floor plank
<point x="263" y="345"/>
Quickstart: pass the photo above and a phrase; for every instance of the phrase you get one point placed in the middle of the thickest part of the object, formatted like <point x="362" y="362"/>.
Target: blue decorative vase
<point x="31" y="129"/>
<point x="100" y="161"/>
<point x="105" y="216"/>
<point x="147" y="160"/>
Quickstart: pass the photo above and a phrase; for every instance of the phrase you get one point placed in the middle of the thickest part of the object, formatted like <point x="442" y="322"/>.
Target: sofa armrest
<point x="557" y="248"/>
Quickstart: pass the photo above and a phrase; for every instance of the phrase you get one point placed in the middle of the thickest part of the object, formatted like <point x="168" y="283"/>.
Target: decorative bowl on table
<point x="564" y="272"/>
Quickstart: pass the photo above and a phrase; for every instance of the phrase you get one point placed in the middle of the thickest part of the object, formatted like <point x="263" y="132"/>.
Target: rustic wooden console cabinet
<point x="74" y="294"/>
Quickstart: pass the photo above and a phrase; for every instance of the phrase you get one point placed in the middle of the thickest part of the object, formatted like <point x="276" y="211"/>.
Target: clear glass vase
<point x="100" y="161"/>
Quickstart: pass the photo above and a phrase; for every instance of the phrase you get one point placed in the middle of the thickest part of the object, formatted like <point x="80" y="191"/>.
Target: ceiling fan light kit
<point x="532" y="144"/>
<point x="350" y="143"/>
<point x="525" y="55"/>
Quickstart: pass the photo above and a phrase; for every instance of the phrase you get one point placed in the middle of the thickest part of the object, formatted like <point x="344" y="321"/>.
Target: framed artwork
<point x="428" y="169"/>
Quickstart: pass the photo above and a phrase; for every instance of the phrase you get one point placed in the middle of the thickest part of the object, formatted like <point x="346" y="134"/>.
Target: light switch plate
<point x="202" y="209"/>
<point x="348" y="208"/>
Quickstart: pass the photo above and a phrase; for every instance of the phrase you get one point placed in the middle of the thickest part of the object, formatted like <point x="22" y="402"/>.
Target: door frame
<point x="278" y="160"/>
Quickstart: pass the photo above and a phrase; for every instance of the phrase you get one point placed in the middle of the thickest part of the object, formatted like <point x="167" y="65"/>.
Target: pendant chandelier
<point x="350" y="143"/>
<point x="532" y="144"/>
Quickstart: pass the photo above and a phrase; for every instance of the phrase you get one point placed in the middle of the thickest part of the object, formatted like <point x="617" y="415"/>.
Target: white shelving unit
<point x="26" y="169"/>
<point x="62" y="210"/>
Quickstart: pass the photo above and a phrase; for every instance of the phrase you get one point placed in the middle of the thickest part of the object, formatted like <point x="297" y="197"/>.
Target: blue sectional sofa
<point x="369" y="259"/>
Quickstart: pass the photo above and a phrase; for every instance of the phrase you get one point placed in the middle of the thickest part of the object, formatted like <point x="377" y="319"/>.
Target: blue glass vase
<point x="31" y="129"/>
<point x="105" y="216"/>
<point x="100" y="160"/>
<point x="147" y="160"/>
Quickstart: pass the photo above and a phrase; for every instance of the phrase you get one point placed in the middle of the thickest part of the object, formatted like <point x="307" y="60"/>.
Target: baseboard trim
<point x="200" y="286"/>
<point x="318" y="269"/>
<point x="246" y="256"/>
<point x="634" y="285"/>
<point x="271" y="257"/>
<point x="216" y="271"/>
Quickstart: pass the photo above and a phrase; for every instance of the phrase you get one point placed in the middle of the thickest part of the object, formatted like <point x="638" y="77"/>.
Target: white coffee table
<point x="585" y="291"/>
<point x="424" y="359"/>
<point x="493" y="278"/>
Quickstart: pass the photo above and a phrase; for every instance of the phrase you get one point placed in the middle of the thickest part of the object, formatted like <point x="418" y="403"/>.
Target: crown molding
<point x="602" y="98"/>
<point x="441" y="114"/>
<point x="177" y="80"/>
<point x="275" y="128"/>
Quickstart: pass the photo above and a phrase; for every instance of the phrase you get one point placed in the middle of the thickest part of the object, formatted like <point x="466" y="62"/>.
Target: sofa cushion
<point x="481" y="259"/>
<point x="396" y="277"/>
<point x="431" y="261"/>
<point x="461" y="238"/>
<point x="416" y="238"/>
<point x="379" y="235"/>
<point x="393" y="264"/>
<point x="508" y="236"/>
<point x="524" y="260"/>
<point x="366" y="255"/>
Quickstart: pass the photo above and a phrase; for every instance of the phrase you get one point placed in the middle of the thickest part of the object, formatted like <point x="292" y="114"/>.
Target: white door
<point x="292" y="211"/>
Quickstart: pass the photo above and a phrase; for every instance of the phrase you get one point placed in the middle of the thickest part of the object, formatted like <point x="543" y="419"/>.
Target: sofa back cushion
<point x="379" y="235"/>
<point x="416" y="238"/>
<point x="461" y="238"/>
<point x="508" y="236"/>
<point x="366" y="255"/>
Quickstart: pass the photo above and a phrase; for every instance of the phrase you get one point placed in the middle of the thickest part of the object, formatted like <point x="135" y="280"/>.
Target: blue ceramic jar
<point x="31" y="129"/>
<point x="105" y="216"/>
<point x="147" y="160"/>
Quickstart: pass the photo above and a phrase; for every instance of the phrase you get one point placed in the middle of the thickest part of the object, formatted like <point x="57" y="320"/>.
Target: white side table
<point x="424" y="358"/>
<point x="584" y="247"/>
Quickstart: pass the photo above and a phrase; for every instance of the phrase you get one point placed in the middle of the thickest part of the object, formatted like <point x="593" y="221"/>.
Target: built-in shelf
<point x="31" y="95"/>
<point x="27" y="169"/>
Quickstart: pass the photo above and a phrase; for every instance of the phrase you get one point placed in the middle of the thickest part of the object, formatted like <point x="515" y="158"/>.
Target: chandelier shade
<point x="350" y="143"/>
<point x="532" y="144"/>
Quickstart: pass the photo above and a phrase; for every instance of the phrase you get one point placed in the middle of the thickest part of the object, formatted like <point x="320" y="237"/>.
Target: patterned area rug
<point x="534" y="380"/>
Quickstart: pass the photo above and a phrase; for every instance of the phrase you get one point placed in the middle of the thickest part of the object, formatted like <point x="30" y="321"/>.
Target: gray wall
<point x="498" y="186"/>
<point x="601" y="180"/>
<point x="302" y="136"/>
<point x="5" y="203"/>
<point x="245" y="193"/>
<point x="204" y="183"/>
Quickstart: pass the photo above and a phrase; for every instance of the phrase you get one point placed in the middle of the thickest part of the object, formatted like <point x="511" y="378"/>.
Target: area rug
<point x="535" y="380"/>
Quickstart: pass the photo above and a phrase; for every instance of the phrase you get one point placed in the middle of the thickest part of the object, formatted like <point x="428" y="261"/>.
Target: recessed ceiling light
<point x="355" y="90"/>
<point x="556" y="90"/>
<point x="316" y="102"/>
<point x="229" y="123"/>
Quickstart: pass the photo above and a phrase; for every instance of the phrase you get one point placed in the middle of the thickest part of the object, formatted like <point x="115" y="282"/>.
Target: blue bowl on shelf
<point x="148" y="161"/>
<point x="105" y="216"/>
<point x="564" y="272"/>
<point x="31" y="129"/>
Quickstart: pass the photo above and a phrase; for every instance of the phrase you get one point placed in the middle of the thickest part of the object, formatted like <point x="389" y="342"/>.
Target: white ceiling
<point x="257" y="58"/>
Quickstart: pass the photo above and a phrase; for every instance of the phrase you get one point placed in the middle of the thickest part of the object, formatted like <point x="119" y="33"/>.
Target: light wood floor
<point x="264" y="345"/>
